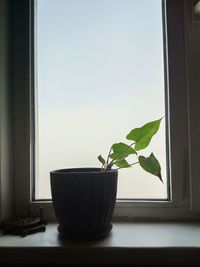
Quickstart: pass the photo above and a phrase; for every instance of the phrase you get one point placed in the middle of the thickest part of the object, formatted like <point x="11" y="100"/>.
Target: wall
<point x="193" y="70"/>
<point x="6" y="143"/>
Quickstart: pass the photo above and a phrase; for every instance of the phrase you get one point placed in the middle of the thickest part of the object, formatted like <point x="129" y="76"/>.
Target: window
<point x="178" y="58"/>
<point x="99" y="73"/>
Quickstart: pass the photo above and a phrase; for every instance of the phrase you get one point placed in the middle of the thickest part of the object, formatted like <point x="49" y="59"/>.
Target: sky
<point x="99" y="74"/>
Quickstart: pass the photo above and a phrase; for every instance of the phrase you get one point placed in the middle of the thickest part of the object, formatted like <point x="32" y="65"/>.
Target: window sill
<point x="141" y="242"/>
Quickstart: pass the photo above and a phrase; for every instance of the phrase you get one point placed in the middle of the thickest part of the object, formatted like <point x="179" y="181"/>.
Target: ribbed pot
<point x="83" y="201"/>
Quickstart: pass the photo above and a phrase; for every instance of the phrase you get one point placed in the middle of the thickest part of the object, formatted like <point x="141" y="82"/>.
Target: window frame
<point x="181" y="205"/>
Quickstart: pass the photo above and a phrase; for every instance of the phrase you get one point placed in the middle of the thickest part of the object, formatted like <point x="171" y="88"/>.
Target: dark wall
<point x="6" y="112"/>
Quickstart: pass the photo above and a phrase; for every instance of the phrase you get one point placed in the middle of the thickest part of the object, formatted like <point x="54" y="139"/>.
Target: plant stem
<point x="107" y="161"/>
<point x="129" y="164"/>
<point x="102" y="167"/>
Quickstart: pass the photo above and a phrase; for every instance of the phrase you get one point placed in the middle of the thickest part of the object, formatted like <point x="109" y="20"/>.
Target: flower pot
<point x="83" y="201"/>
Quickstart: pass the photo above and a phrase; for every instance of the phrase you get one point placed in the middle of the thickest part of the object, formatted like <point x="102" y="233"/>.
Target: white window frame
<point x="181" y="101"/>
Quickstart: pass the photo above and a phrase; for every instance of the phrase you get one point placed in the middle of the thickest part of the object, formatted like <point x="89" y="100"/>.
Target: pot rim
<point x="82" y="170"/>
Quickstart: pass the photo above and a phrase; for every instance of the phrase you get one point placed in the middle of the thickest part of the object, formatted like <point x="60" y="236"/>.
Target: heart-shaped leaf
<point x="143" y="135"/>
<point x="151" y="165"/>
<point x="101" y="159"/>
<point x="121" y="151"/>
<point x="122" y="163"/>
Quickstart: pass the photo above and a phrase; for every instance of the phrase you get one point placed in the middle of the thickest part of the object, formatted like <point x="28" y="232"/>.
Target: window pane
<point x="99" y="74"/>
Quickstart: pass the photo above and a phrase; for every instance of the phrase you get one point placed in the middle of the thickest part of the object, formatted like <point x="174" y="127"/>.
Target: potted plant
<point x="84" y="198"/>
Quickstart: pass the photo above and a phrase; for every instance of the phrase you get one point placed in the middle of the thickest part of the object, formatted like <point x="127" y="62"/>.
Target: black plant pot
<point x="83" y="201"/>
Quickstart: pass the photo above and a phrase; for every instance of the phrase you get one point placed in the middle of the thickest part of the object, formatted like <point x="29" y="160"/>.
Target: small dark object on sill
<point x="26" y="226"/>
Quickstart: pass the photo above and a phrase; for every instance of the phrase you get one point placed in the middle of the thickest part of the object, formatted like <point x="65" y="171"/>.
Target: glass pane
<point x="99" y="74"/>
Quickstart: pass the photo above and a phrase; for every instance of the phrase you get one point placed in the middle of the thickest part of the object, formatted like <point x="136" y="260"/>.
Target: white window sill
<point x="140" y="242"/>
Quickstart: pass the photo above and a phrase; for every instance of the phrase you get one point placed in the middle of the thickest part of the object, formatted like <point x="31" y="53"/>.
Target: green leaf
<point x="122" y="164"/>
<point x="101" y="159"/>
<point x="151" y="165"/>
<point x="143" y="135"/>
<point x="121" y="151"/>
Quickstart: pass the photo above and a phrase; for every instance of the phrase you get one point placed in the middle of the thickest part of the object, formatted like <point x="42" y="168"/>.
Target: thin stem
<point x="102" y="167"/>
<point x="108" y="156"/>
<point x="129" y="164"/>
<point x="134" y="163"/>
